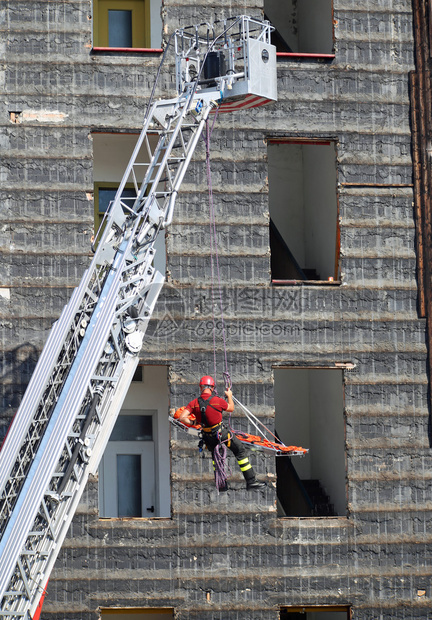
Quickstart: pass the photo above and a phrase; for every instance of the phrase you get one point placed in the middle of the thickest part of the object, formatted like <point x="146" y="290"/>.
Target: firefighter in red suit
<point x="210" y="408"/>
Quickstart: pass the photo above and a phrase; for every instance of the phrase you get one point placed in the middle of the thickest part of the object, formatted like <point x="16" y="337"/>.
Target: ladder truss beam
<point x="91" y="356"/>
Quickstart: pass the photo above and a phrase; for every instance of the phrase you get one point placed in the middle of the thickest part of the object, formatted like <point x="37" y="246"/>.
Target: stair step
<point x="319" y="498"/>
<point x="311" y="274"/>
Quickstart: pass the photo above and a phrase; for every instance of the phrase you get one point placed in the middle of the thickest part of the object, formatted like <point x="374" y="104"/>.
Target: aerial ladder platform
<point x="69" y="409"/>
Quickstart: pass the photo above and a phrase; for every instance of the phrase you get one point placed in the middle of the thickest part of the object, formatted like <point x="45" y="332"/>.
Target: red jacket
<point x="213" y="414"/>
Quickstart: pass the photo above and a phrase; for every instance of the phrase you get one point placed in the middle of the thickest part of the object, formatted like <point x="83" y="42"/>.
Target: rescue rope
<point x="214" y="257"/>
<point x="260" y="427"/>
<point x="222" y="470"/>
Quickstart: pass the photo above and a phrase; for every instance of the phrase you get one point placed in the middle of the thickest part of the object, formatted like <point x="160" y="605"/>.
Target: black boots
<point x="249" y="474"/>
<point x="255" y="484"/>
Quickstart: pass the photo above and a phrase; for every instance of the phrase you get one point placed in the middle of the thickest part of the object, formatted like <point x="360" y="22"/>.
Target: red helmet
<point x="207" y="381"/>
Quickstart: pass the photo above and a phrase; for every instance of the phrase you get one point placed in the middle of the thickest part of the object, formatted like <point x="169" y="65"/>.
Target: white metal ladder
<point x="70" y="407"/>
<point x="75" y="394"/>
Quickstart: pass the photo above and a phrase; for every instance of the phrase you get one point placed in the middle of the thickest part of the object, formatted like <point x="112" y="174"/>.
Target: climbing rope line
<point x="214" y="256"/>
<point x="259" y="426"/>
<point x="222" y="469"/>
<point x="214" y="262"/>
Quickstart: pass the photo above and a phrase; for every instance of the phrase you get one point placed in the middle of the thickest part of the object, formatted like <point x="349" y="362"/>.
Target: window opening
<point x="131" y="427"/>
<point x="127" y="24"/>
<point x="304" y="226"/>
<point x="302" y="26"/>
<point x="135" y="468"/>
<point x="111" y="155"/>
<point x="309" y="412"/>
<point x="105" y="194"/>
<point x="327" y="612"/>
<point x="119" y="28"/>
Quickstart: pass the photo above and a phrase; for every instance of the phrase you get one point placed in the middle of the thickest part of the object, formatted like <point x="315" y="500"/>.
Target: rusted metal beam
<point x="418" y="202"/>
<point x="421" y="119"/>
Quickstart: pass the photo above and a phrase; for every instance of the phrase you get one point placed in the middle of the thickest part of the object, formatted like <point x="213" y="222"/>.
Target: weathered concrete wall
<point x="234" y="546"/>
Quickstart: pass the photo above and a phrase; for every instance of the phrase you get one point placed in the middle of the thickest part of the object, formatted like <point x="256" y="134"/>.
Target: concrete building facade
<point x="319" y="220"/>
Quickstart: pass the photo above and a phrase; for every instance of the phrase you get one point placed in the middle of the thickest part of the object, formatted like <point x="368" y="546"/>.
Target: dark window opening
<point x="105" y="194"/>
<point x="133" y="428"/>
<point x="119" y="28"/>
<point x="302" y="26"/>
<point x="309" y="413"/>
<point x="304" y="226"/>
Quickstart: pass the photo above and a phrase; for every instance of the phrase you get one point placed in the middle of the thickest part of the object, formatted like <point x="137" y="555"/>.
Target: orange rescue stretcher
<point x="255" y="442"/>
